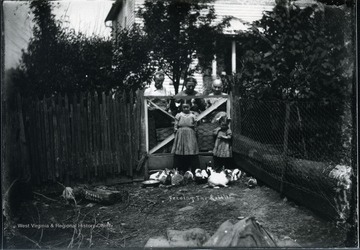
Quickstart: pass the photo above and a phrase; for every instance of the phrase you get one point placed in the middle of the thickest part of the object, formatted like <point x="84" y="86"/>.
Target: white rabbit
<point x="204" y="174"/>
<point x="155" y="176"/>
<point x="198" y="173"/>
<point x="218" y="179"/>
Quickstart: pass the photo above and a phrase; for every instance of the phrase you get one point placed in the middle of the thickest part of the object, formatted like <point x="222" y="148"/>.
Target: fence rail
<point x="84" y="137"/>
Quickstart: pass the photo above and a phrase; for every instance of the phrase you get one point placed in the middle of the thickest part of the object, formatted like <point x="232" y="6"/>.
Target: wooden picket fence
<point x="85" y="137"/>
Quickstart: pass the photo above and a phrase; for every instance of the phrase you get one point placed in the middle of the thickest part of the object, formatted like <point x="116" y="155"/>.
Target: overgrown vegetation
<point x="62" y="61"/>
<point x="294" y="53"/>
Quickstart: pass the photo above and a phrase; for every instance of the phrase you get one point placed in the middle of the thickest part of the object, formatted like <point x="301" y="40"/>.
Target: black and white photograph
<point x="179" y="124"/>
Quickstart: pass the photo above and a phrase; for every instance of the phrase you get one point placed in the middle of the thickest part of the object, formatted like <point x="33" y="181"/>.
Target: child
<point x="185" y="147"/>
<point x="222" y="152"/>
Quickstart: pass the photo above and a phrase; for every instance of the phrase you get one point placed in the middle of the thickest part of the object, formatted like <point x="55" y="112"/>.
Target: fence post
<point x="302" y="132"/>
<point x="285" y="149"/>
<point x="146" y="122"/>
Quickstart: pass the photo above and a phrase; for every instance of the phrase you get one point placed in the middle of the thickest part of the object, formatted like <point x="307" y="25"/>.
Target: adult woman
<point x="198" y="104"/>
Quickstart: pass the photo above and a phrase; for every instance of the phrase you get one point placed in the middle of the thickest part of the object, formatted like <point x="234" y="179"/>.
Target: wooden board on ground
<point x="102" y="196"/>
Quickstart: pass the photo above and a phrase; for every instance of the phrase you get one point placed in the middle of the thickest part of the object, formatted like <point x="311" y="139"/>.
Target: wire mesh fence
<point x="301" y="145"/>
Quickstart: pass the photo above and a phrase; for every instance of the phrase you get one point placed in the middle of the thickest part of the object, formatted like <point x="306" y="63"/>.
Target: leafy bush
<point x="291" y="54"/>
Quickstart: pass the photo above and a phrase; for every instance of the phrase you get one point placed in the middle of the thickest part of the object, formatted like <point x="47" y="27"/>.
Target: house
<point x="123" y="15"/>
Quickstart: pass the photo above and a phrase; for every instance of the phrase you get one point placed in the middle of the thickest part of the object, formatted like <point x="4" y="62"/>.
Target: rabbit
<point x="228" y="171"/>
<point x="252" y="182"/>
<point x="156" y="176"/>
<point x="209" y="170"/>
<point x="204" y="174"/>
<point x="188" y="176"/>
<point x="198" y="173"/>
<point x="236" y="174"/>
<point x="162" y="177"/>
<point x="200" y="176"/>
<point x="176" y="178"/>
<point x="218" y="179"/>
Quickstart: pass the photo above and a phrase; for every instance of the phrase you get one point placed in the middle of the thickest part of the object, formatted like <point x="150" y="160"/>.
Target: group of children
<point x="185" y="147"/>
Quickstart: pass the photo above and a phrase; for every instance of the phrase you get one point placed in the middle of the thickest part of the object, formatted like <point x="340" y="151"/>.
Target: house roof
<point x="115" y="8"/>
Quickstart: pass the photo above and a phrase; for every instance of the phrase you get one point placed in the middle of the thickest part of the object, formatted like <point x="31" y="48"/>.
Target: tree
<point x="177" y="31"/>
<point x="57" y="60"/>
<point x="291" y="54"/>
<point x="132" y="62"/>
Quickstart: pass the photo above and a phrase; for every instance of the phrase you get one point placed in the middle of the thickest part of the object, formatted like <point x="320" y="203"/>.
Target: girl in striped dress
<point x="185" y="147"/>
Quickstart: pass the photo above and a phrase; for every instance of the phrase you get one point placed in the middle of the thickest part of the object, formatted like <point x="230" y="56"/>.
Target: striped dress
<point x="185" y="142"/>
<point x="222" y="146"/>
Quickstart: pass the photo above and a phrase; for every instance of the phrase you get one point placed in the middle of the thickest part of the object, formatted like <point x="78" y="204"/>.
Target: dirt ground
<point x="149" y="212"/>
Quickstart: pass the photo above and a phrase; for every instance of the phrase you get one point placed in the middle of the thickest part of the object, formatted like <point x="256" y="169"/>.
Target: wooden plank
<point x="162" y="144"/>
<point x="76" y="137"/>
<point x="68" y="138"/>
<point x="102" y="128"/>
<point x="55" y="138"/>
<point x="124" y="148"/>
<point x="146" y="120"/>
<point x="142" y="119"/>
<point x="118" y="133"/>
<point x="26" y="172"/>
<point x="43" y="148"/>
<point x="83" y="126"/>
<point x="73" y="143"/>
<point x="37" y="144"/>
<point x="96" y="132"/>
<point x="81" y="145"/>
<point x="90" y="133"/>
<point x="158" y="108"/>
<point x="211" y="108"/>
<point x="228" y="107"/>
<point x="47" y="140"/>
<point x="52" y="138"/>
<point x="110" y="133"/>
<point x="62" y="146"/>
<point x="107" y="137"/>
<point x="128" y="137"/>
<point x="113" y="135"/>
<point x="131" y="133"/>
<point x="31" y="140"/>
<point x="138" y="106"/>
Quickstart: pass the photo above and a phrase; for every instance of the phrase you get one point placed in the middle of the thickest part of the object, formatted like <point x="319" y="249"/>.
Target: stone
<point x="157" y="242"/>
<point x="184" y="209"/>
<point x="194" y="237"/>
